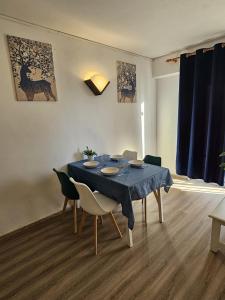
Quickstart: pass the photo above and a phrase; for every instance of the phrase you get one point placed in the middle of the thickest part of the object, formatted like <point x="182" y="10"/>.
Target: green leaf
<point x="222" y="154"/>
<point x="222" y="165"/>
<point x="89" y="152"/>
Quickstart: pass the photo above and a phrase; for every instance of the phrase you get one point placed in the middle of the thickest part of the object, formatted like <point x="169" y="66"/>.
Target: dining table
<point x="129" y="184"/>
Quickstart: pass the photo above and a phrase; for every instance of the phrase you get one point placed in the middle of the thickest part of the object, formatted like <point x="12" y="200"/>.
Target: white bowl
<point x="136" y="163"/>
<point x="116" y="157"/>
<point x="109" y="171"/>
<point x="91" y="164"/>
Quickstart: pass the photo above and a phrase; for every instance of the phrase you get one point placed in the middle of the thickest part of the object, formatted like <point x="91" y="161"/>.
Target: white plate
<point x="109" y="171"/>
<point x="136" y="163"/>
<point x="116" y="157"/>
<point x="91" y="164"/>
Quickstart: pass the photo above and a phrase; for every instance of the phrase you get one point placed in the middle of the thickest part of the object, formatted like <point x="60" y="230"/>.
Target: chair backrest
<point x="68" y="189"/>
<point x="130" y="155"/>
<point x="88" y="201"/>
<point x="153" y="160"/>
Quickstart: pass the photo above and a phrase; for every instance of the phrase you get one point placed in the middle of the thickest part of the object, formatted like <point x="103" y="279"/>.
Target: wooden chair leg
<point x="115" y="224"/>
<point x="96" y="234"/>
<point x="75" y="216"/>
<point x="83" y="218"/>
<point x="101" y="220"/>
<point x="65" y="204"/>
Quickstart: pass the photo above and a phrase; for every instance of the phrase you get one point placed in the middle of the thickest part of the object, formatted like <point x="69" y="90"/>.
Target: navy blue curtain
<point x="201" y="115"/>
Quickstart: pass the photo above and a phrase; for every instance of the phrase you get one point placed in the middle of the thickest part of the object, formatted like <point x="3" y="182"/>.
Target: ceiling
<point x="148" y="27"/>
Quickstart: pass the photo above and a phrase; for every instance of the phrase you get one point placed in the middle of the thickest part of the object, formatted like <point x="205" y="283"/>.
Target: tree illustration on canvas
<point x="126" y="82"/>
<point x="33" y="69"/>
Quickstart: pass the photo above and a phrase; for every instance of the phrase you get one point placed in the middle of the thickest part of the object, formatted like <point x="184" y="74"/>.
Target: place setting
<point x="134" y="163"/>
<point x="104" y="167"/>
<point x="91" y="164"/>
<point x="137" y="163"/>
<point x="106" y="171"/>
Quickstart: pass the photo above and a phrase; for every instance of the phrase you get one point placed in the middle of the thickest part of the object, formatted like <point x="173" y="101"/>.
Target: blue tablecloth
<point x="129" y="184"/>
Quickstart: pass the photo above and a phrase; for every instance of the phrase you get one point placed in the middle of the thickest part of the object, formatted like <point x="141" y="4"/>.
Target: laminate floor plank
<point x="169" y="261"/>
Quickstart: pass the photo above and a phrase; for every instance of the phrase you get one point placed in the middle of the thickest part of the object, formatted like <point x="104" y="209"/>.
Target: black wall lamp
<point x="97" y="84"/>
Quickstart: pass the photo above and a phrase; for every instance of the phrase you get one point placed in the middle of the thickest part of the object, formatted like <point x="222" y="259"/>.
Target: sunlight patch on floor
<point x="197" y="186"/>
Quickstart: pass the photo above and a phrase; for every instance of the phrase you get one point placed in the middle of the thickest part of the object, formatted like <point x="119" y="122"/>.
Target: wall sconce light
<point x="97" y="84"/>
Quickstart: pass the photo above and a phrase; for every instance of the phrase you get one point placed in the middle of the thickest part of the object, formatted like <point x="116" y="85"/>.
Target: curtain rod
<point x="175" y="59"/>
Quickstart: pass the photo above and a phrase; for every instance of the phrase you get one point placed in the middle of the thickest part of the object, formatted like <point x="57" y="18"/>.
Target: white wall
<point x="167" y="109"/>
<point x="37" y="136"/>
<point x="167" y="85"/>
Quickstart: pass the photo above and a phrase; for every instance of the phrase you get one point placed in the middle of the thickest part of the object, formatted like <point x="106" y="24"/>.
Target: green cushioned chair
<point x="153" y="160"/>
<point x="70" y="193"/>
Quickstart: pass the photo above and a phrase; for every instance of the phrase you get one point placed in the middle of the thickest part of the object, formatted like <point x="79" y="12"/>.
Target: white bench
<point x="218" y="219"/>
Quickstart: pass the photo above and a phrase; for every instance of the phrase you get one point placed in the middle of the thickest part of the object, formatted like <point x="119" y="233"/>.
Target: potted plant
<point x="89" y="153"/>
<point x="222" y="165"/>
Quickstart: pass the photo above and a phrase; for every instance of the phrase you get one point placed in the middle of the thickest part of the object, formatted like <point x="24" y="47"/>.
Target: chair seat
<point x="105" y="202"/>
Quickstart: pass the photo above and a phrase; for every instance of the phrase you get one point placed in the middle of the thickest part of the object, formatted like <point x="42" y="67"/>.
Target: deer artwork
<point x="28" y="55"/>
<point x="128" y="92"/>
<point x="32" y="87"/>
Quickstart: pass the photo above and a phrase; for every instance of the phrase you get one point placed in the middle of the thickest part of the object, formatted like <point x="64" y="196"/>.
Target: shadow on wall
<point x="23" y="202"/>
<point x="78" y="155"/>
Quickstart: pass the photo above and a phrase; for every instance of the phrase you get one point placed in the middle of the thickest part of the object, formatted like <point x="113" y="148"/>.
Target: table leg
<point x="145" y="210"/>
<point x="130" y="237"/>
<point x="78" y="203"/>
<point x="75" y="216"/>
<point x="160" y="206"/>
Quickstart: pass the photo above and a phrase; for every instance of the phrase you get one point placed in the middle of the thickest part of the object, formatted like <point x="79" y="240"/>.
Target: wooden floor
<point x="168" y="261"/>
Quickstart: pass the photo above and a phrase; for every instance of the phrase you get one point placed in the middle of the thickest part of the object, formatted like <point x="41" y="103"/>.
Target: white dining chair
<point x="96" y="204"/>
<point x="130" y="155"/>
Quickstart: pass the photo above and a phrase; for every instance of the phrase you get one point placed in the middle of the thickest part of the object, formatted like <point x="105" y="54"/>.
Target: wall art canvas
<point x="126" y="82"/>
<point x="33" y="69"/>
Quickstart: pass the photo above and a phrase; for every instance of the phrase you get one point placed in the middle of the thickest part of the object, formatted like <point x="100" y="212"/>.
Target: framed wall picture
<point x="33" y="69"/>
<point x="126" y="82"/>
